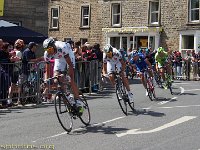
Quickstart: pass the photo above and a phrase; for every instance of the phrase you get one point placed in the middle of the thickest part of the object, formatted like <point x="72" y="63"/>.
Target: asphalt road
<point x="170" y="122"/>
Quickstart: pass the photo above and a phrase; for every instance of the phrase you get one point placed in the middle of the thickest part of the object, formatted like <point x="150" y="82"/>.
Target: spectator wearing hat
<point x="29" y="56"/>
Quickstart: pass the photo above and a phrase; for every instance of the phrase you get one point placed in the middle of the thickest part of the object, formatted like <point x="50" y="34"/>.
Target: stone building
<point x="32" y="14"/>
<point x="77" y="20"/>
<point x="128" y="23"/>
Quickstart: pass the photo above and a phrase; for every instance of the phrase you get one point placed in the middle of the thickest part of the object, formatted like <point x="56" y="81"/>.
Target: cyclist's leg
<point x="110" y="70"/>
<point x="143" y="80"/>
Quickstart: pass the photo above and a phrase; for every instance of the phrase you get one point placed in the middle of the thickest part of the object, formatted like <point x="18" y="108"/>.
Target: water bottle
<point x="70" y="98"/>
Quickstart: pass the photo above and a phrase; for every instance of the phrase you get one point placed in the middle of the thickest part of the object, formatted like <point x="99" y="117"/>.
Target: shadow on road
<point x="164" y="99"/>
<point x="148" y="112"/>
<point x="100" y="128"/>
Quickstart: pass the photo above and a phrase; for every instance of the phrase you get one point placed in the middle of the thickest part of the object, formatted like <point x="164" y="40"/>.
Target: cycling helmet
<point x="108" y="48"/>
<point x="48" y="42"/>
<point x="147" y="51"/>
<point x="160" y="49"/>
<point x="19" y="43"/>
<point x="134" y="54"/>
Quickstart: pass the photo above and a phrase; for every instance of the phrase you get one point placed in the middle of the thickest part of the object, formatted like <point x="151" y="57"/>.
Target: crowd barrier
<point x="20" y="81"/>
<point x="187" y="70"/>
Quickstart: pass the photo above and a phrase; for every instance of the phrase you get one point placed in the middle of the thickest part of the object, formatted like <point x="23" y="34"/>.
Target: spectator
<point x="199" y="64"/>
<point x="195" y="64"/>
<point x="178" y="64"/>
<point x="187" y="65"/>
<point x="14" y="74"/>
<point x="77" y="51"/>
<point x="5" y="70"/>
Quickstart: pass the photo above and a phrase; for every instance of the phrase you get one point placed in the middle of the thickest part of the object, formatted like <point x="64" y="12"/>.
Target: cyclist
<point x="162" y="63"/>
<point x="140" y="63"/>
<point x="112" y="61"/>
<point x="62" y="53"/>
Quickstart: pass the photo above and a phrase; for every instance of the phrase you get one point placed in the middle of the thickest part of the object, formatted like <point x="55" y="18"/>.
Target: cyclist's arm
<point x="148" y="63"/>
<point x="104" y="68"/>
<point x="123" y="64"/>
<point x="71" y="70"/>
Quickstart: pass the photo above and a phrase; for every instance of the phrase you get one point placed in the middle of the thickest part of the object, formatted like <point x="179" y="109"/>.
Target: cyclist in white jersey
<point x="62" y="54"/>
<point x="112" y="61"/>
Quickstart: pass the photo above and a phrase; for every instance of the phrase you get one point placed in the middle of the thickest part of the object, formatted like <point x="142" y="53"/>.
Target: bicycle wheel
<point x="121" y="96"/>
<point x="149" y="89"/>
<point x="158" y="79"/>
<point x="85" y="116"/>
<point x="132" y="105"/>
<point x="63" y="111"/>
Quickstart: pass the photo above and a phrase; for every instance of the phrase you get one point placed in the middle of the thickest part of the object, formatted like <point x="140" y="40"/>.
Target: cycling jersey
<point x="140" y="63"/>
<point x="113" y="62"/>
<point x="161" y="59"/>
<point x="63" y="49"/>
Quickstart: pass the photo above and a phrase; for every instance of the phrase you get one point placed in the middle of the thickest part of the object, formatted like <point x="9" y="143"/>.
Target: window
<point x="83" y="41"/>
<point x="154" y="12"/>
<point x="187" y="42"/>
<point x="194" y="11"/>
<point x="67" y="39"/>
<point x="116" y="14"/>
<point x="55" y="18"/>
<point x="85" y="16"/>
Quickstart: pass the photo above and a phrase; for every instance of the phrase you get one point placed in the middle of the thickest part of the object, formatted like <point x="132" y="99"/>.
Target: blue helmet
<point x="134" y="54"/>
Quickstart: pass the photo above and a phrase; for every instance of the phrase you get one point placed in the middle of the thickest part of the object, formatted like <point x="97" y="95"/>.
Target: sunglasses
<point x="49" y="49"/>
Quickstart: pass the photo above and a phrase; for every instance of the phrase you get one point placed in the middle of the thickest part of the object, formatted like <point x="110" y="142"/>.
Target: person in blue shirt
<point x="140" y="63"/>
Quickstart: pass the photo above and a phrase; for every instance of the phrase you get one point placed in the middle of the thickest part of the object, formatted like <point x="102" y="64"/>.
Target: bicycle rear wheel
<point x="121" y="96"/>
<point x="63" y="111"/>
<point x="85" y="116"/>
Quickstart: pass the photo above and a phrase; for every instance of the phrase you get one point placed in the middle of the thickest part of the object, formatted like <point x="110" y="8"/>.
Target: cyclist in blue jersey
<point x="140" y="63"/>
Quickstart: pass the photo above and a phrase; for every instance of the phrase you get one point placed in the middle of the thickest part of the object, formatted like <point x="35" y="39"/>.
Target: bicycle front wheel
<point x="149" y="90"/>
<point x="63" y="111"/>
<point x="85" y="116"/>
<point x="120" y="92"/>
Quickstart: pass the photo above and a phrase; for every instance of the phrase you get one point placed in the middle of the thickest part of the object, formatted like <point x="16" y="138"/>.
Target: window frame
<point x="120" y="14"/>
<point x="190" y="12"/>
<point x="56" y="18"/>
<point x="150" y="13"/>
<point x="87" y="17"/>
<point x="83" y="40"/>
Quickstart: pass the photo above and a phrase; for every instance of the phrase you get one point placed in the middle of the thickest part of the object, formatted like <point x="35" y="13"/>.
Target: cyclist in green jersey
<point x="162" y="63"/>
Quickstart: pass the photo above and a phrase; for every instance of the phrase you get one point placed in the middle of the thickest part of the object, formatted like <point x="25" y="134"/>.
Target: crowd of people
<point x="15" y="59"/>
<point x="15" y="67"/>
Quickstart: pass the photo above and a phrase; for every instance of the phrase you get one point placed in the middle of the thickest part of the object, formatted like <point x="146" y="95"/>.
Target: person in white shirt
<point x="112" y="61"/>
<point x="62" y="53"/>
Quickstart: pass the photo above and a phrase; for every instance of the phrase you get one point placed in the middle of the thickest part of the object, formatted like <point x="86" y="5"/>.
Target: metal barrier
<point x="23" y="80"/>
<point x="187" y="70"/>
<point x="19" y="81"/>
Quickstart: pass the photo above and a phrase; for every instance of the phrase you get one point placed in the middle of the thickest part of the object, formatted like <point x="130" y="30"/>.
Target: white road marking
<point x="79" y="129"/>
<point x="180" y="83"/>
<point x="182" y="90"/>
<point x="193" y="90"/>
<point x="171" y="124"/>
<point x="164" y="102"/>
<point x="180" y="106"/>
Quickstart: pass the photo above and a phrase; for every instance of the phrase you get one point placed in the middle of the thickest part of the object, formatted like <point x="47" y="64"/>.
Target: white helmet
<point x="108" y="48"/>
<point x="48" y="42"/>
